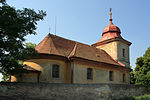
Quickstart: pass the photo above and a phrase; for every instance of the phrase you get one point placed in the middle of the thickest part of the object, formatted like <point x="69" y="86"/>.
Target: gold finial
<point x="110" y="12"/>
<point x="110" y="16"/>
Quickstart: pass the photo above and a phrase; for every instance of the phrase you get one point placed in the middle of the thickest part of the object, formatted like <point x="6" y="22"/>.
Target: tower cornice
<point x="112" y="40"/>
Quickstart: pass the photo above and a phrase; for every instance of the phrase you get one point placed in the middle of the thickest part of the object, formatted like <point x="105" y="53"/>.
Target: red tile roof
<point x="55" y="45"/>
<point x="111" y="31"/>
<point x="111" y="28"/>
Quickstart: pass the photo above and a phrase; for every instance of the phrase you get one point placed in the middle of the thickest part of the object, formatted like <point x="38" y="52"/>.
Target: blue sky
<point x="84" y="20"/>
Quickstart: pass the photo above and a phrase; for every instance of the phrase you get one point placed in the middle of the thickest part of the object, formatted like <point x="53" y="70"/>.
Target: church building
<point x="62" y="60"/>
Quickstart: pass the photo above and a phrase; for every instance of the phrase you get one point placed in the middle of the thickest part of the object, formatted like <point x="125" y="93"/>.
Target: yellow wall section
<point x="45" y="66"/>
<point x="31" y="77"/>
<point x="114" y="49"/>
<point x="100" y="75"/>
<point x="68" y="73"/>
<point x="124" y="60"/>
<point x="110" y="48"/>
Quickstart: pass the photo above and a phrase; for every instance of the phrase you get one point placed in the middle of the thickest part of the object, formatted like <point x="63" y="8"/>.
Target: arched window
<point x="123" y="52"/>
<point x="55" y="71"/>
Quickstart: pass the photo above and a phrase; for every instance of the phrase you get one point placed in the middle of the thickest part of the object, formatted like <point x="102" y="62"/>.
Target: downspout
<point x="38" y="77"/>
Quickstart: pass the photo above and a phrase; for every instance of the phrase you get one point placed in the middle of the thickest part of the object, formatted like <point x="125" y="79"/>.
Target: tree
<point x="142" y="70"/>
<point x="132" y="77"/>
<point x="29" y="50"/>
<point x="5" y="77"/>
<point x="15" y="24"/>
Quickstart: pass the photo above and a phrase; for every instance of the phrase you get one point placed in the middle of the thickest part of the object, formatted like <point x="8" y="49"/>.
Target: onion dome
<point x="111" y="27"/>
<point x="110" y="33"/>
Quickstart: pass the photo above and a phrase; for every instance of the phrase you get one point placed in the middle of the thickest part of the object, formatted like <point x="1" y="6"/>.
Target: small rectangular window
<point x="123" y="52"/>
<point x="89" y="73"/>
<point x="110" y="75"/>
<point x="123" y="78"/>
<point x="55" y="71"/>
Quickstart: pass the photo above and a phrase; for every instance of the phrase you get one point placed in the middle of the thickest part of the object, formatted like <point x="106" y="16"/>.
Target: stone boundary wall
<point x="47" y="91"/>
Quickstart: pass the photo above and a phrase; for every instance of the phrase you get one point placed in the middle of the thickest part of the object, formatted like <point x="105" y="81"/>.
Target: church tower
<point x="114" y="44"/>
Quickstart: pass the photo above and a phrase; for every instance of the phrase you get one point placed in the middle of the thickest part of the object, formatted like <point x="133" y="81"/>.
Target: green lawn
<point x="144" y="97"/>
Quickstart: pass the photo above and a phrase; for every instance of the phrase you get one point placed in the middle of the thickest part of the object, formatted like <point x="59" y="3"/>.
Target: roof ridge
<point x="73" y="52"/>
<point x="43" y="41"/>
<point x="54" y="44"/>
<point x="51" y="41"/>
<point x="70" y="40"/>
<point x="62" y="37"/>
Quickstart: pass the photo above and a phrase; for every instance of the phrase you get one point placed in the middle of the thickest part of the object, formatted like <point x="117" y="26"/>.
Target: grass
<point x="143" y="97"/>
